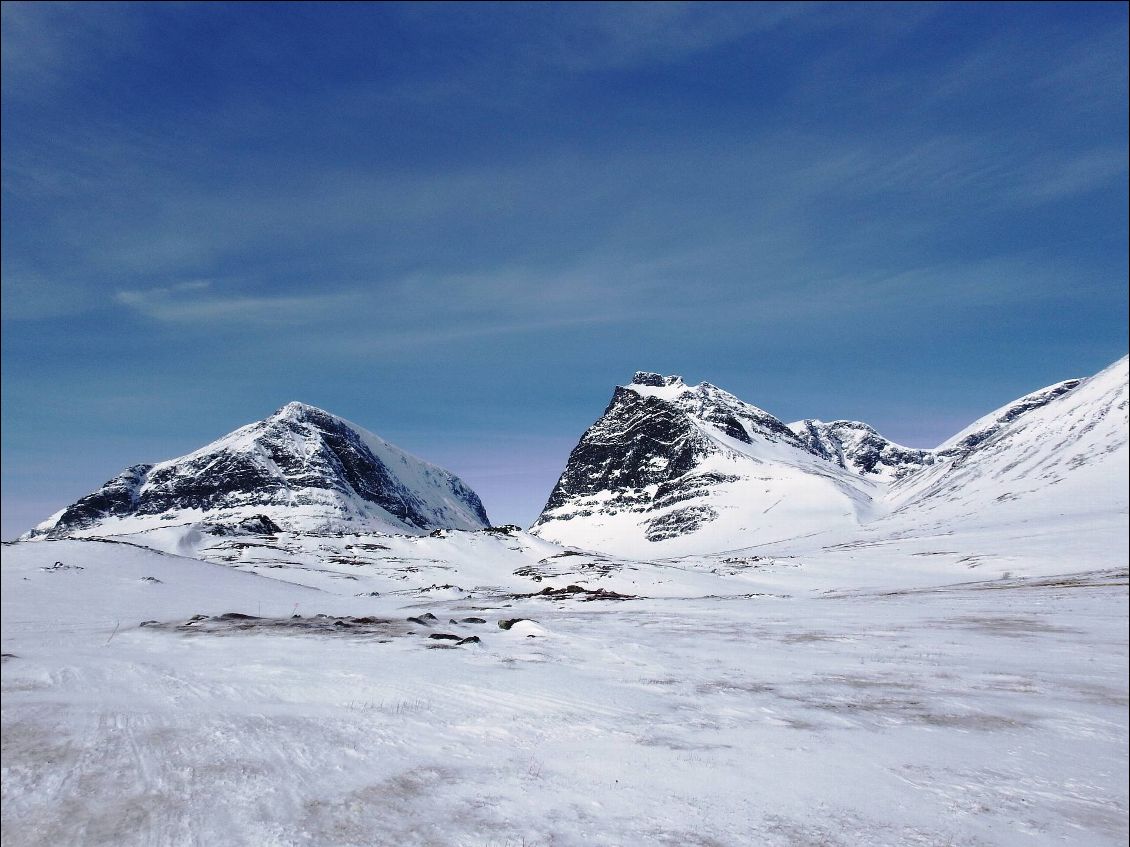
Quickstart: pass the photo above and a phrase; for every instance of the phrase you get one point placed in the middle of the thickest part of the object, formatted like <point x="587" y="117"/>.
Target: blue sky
<point x="461" y="225"/>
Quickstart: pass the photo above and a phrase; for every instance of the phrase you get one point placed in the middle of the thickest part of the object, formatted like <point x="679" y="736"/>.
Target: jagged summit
<point x="302" y="467"/>
<point x="710" y="404"/>
<point x="858" y="447"/>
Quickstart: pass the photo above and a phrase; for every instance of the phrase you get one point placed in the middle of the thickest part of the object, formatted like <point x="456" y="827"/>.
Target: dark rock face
<point x="260" y="525"/>
<point x="646" y="451"/>
<point x="117" y="497"/>
<point x="299" y="456"/>
<point x="679" y="522"/>
<point x="638" y="441"/>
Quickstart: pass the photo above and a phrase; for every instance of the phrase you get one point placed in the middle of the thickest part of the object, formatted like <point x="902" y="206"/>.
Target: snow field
<point x="987" y="713"/>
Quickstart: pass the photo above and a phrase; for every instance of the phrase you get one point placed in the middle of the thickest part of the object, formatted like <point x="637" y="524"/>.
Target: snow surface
<point x="898" y="693"/>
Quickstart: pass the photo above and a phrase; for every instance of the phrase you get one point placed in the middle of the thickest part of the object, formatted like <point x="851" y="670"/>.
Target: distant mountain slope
<point x="1055" y="452"/>
<point x="301" y="468"/>
<point x="985" y="427"/>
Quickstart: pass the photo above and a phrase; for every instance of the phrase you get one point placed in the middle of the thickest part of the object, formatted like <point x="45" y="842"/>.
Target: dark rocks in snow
<point x="1014" y="410"/>
<point x="426" y="619"/>
<point x="260" y="525"/>
<point x="648" y="378"/>
<point x="576" y="592"/>
<point x="58" y="567"/>
<point x="448" y="641"/>
<point x="679" y="522"/>
<point x="505" y="529"/>
<point x="236" y="623"/>
<point x="509" y="622"/>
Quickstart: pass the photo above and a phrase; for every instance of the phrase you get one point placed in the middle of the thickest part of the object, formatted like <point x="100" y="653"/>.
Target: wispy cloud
<point x="1073" y="176"/>
<point x="46" y="45"/>
<point x="197" y="301"/>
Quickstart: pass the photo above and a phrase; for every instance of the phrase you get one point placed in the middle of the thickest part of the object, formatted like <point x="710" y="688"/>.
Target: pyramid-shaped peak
<point x="303" y="468"/>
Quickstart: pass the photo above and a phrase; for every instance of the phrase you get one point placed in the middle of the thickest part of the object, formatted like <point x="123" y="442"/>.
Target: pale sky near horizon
<point x="460" y="225"/>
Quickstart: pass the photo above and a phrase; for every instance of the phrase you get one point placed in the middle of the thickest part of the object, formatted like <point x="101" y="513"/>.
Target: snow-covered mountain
<point x="1058" y="452"/>
<point x="671" y="469"/>
<point x="301" y="469"/>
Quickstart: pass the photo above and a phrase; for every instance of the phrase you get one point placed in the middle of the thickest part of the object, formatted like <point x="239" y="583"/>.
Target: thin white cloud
<point x="196" y="301"/>
<point x="1079" y="175"/>
<point x="46" y="45"/>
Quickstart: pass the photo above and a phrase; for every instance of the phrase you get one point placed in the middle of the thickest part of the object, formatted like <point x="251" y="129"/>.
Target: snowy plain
<point x="955" y="689"/>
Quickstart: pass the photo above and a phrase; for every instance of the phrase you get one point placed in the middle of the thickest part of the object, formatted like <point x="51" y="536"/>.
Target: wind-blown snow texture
<point x="671" y="469"/>
<point x="302" y="468"/>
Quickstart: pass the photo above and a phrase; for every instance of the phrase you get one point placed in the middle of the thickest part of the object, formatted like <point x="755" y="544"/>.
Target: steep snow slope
<point x="985" y="427"/>
<point x="302" y="469"/>
<point x="671" y="469"/>
<point x="1058" y="452"/>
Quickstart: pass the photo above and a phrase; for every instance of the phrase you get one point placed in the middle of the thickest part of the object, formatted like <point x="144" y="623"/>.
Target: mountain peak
<point x="302" y="467"/>
<point x="296" y="407"/>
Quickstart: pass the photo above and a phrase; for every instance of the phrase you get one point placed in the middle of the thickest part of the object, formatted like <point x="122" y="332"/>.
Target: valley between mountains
<point x="722" y="629"/>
